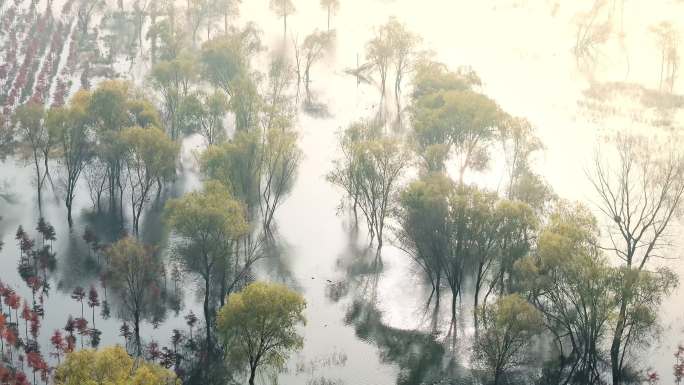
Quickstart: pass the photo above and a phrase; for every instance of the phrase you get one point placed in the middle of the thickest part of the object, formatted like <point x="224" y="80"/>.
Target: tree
<point x="93" y="300"/>
<point x="150" y="158"/>
<point x="237" y="164"/>
<point x="230" y="9"/>
<point x="571" y="283"/>
<point x="313" y="48"/>
<point x="204" y="114"/>
<point x="508" y="328"/>
<point x="226" y="65"/>
<point x="74" y="139"/>
<point x="432" y="136"/>
<point x="111" y="365"/>
<point x="460" y="121"/>
<point x="134" y="270"/>
<point x="172" y="79"/>
<point x="639" y="197"/>
<point x="281" y="157"/>
<point x="378" y="163"/>
<point x="425" y="226"/>
<point x="112" y="107"/>
<point x="7" y="137"/>
<point x="29" y="122"/>
<point x="667" y="39"/>
<point x="403" y="44"/>
<point x="379" y="54"/>
<point x="209" y="222"/>
<point x="283" y="8"/>
<point x="258" y="326"/>
<point x="332" y="6"/>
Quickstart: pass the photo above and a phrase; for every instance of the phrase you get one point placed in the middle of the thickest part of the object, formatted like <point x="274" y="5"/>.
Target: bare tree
<point x="639" y="197"/>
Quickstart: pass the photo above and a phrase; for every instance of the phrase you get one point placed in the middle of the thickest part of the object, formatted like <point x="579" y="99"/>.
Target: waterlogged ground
<point x="366" y="321"/>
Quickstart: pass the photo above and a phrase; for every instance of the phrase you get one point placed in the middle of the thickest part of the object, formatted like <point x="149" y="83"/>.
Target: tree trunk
<point x="615" y="347"/>
<point x="252" y="375"/>
<point x="207" y="312"/>
<point x="138" y="344"/>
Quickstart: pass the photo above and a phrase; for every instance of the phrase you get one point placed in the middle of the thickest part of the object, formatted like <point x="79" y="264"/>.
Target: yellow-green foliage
<point x="259" y="324"/>
<point x="110" y="366"/>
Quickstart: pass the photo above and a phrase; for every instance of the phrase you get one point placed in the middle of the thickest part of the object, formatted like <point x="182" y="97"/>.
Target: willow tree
<point x="425" y="226"/>
<point x="135" y="277"/>
<point x="150" y="159"/>
<point x="237" y="165"/>
<point x="112" y="107"/>
<point x="75" y="140"/>
<point x="208" y="224"/>
<point x="29" y="122"/>
<point x="404" y="45"/>
<point x="372" y="176"/>
<point x="449" y="118"/>
<point x="506" y="336"/>
<point x="313" y="48"/>
<point x="204" y="114"/>
<point x="566" y="270"/>
<point x="226" y="65"/>
<point x="280" y="160"/>
<point x="172" y="78"/>
<point x="258" y="326"/>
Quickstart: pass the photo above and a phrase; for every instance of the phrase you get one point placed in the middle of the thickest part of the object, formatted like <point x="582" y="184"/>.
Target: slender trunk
<point x="328" y="18"/>
<point x="207" y="312"/>
<point x="252" y="374"/>
<point x="138" y="344"/>
<point x="615" y="347"/>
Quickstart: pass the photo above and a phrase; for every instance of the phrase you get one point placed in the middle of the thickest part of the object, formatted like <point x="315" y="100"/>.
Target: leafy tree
<point x="258" y="326"/>
<point x="571" y="283"/>
<point x="113" y="106"/>
<point x="425" y="226"/>
<point x="150" y="159"/>
<point x="281" y="158"/>
<point x="111" y="365"/>
<point x="332" y="6"/>
<point x="204" y="114"/>
<point x="29" y="122"/>
<point x="372" y="176"/>
<point x="403" y="44"/>
<point x="506" y="336"/>
<point x="134" y="271"/>
<point x="226" y="65"/>
<point x="379" y="54"/>
<point x="283" y="8"/>
<point x="172" y="78"/>
<point x="313" y="48"/>
<point x="237" y="164"/>
<point x="462" y="122"/>
<point x="209" y="223"/>
<point x="74" y="140"/>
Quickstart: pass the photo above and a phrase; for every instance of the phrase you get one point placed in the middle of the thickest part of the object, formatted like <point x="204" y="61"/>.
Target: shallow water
<point x="362" y="332"/>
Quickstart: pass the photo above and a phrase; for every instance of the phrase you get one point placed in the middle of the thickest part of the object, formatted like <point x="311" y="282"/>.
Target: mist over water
<point x="367" y="322"/>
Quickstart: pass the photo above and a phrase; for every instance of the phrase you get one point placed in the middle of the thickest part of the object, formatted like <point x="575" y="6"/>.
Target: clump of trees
<point x="110" y="365"/>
